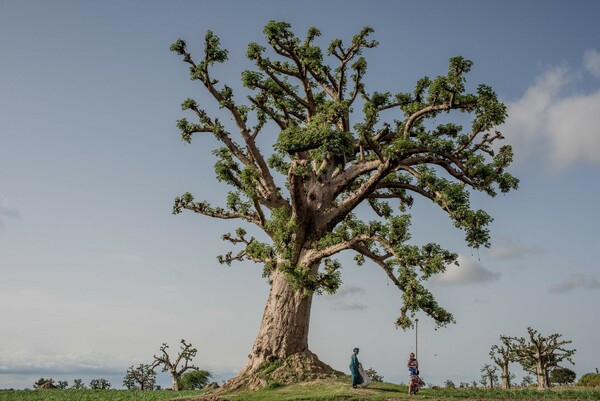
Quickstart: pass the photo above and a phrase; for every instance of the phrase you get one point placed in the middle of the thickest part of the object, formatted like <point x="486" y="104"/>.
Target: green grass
<point x="336" y="390"/>
<point x="94" y="395"/>
<point x="324" y="390"/>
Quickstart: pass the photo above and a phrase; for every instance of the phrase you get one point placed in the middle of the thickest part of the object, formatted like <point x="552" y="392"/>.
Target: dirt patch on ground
<point x="206" y="397"/>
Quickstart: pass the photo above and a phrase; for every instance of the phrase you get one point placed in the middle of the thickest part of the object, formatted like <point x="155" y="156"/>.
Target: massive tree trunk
<point x="284" y="328"/>
<point x="281" y="346"/>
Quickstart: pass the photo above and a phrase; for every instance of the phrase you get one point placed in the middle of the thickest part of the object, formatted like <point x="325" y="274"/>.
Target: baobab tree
<point x="542" y="352"/>
<point x="100" y="384"/>
<point x="502" y="355"/>
<point x="489" y="375"/>
<point x="141" y="377"/>
<point x="78" y="384"/>
<point x="171" y="365"/>
<point x="334" y="160"/>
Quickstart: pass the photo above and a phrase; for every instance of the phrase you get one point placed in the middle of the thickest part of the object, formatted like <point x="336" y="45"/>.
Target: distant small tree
<point x="562" y="376"/>
<point x="78" y="384"/>
<point x="44" y="383"/>
<point x="527" y="381"/>
<point x="449" y="384"/>
<point x="141" y="378"/>
<point x="502" y="355"/>
<point x="474" y="384"/>
<point x="543" y="352"/>
<point x="186" y="355"/>
<point x="100" y="384"/>
<point x="62" y="384"/>
<point x="488" y="375"/>
<point x="373" y="375"/>
<point x="194" y="379"/>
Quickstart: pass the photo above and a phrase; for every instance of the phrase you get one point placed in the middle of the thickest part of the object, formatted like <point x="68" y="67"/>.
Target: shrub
<point x="562" y="376"/>
<point x="590" y="380"/>
<point x="372" y="373"/>
<point x="449" y="384"/>
<point x="268" y="367"/>
<point x="194" y="380"/>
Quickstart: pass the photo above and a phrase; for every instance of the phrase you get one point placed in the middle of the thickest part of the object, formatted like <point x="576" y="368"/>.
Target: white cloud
<point x="348" y="306"/>
<point x="343" y="298"/>
<point x="47" y="332"/>
<point x="576" y="281"/>
<point x="468" y="271"/>
<point x="591" y="61"/>
<point x="509" y="249"/>
<point x="565" y="129"/>
<point x="27" y="362"/>
<point x="348" y="290"/>
<point x="574" y="130"/>
<point x="7" y="211"/>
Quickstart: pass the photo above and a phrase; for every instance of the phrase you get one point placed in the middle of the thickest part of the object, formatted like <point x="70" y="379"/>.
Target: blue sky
<point x="96" y="273"/>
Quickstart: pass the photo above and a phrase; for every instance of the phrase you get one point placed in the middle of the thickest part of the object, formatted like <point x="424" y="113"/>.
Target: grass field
<point x="327" y="390"/>
<point x="94" y="395"/>
<point x="342" y="391"/>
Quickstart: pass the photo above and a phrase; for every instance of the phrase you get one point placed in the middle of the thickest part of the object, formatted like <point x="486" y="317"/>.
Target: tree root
<point x="301" y="367"/>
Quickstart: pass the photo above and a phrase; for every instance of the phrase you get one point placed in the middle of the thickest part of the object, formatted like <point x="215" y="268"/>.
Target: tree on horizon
<point x="331" y="165"/>
<point x="502" y="356"/>
<point x="489" y="375"/>
<point x="541" y="354"/>
<point x="178" y="365"/>
<point x="141" y="377"/>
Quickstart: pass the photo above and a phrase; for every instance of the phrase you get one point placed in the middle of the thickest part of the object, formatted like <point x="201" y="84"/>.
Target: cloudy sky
<point x="96" y="273"/>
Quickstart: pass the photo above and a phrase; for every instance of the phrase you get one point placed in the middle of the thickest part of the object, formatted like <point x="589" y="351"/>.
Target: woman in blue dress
<point x="356" y="377"/>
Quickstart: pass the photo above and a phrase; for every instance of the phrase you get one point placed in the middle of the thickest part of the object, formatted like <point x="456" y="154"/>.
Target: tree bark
<point x="174" y="381"/>
<point x="505" y="377"/>
<point x="541" y="375"/>
<point x="284" y="328"/>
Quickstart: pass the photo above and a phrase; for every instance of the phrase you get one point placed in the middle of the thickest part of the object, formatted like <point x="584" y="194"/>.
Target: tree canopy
<point x="334" y="158"/>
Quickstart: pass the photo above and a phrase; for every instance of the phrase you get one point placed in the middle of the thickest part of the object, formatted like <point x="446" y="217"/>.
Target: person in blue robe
<point x="356" y="377"/>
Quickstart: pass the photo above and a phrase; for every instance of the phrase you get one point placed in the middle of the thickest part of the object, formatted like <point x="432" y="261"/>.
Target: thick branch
<point x="314" y="256"/>
<point x="337" y="214"/>
<point x="380" y="261"/>
<point x="421" y="113"/>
